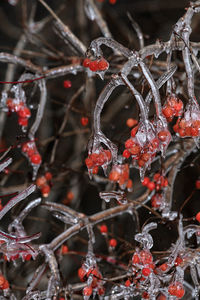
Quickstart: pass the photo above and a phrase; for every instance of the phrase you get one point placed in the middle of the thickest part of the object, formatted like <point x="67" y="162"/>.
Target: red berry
<point x="168" y="112"/>
<point x="112" y="1"/>
<point x="145" y="181"/>
<point x="5" y="285"/>
<point x="87" y="291"/>
<point x="146" y="271"/>
<point x="41" y="181"/>
<point x="127" y="283"/>
<point x="64" y="249"/>
<point x="28" y="257"/>
<point x="129" y="184"/>
<point x="89" y="162"/>
<point x="84" y="121"/>
<point x="163" y="267"/>
<point x="198" y="217"/>
<point x="126" y="153"/>
<point x="102" y="64"/>
<point x="24" y="112"/>
<point x="86" y="62"/>
<point x="146" y="257"/>
<point x="145" y="295"/>
<point x="178" y="261"/>
<point x="151" y="185"/>
<point x="23" y="122"/>
<point x="93" y="66"/>
<point x="161" y="297"/>
<point x="113" y="243"/>
<point x="67" y="84"/>
<point x="162" y="135"/>
<point x="135" y="259"/>
<point x="45" y="190"/>
<point x="48" y="176"/>
<point x="197" y="184"/>
<point x="36" y="159"/>
<point x="81" y="273"/>
<point x="104" y="229"/>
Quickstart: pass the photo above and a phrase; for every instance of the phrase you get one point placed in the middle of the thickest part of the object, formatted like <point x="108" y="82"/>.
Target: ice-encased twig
<point x="4" y="164"/>
<point x="17" y="223"/>
<point x="65" y="31"/>
<point x="93" y="13"/>
<point x="95" y="47"/>
<point x="40" y="111"/>
<point x="138" y="97"/>
<point x="161" y="81"/>
<point x="12" y="202"/>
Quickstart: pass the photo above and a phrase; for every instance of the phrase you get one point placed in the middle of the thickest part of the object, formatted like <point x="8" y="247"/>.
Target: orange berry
<point x="131" y="122"/>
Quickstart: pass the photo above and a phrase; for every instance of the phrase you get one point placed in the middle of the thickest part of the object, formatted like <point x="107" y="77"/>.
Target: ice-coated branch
<point x="65" y="31"/>
<point x="154" y="89"/>
<point x="5" y="164"/>
<point x="17" y="223"/>
<point x="40" y="111"/>
<point x="161" y="81"/>
<point x="138" y="97"/>
<point x="21" y="196"/>
<point x="94" y="14"/>
<point x="95" y="47"/>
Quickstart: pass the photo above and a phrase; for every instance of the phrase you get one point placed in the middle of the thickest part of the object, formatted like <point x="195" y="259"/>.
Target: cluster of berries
<point x="95" y="282"/>
<point x="4" y="285"/>
<point x="44" y="184"/>
<point x="96" y="65"/>
<point x="30" y="150"/>
<point x="96" y="159"/>
<point x="23" y="112"/>
<point x="176" y="289"/>
<point x="165" y="267"/>
<point x="110" y="1"/>
<point x="189" y="124"/>
<point x="144" y="144"/>
<point x="142" y="266"/>
<point x="24" y="256"/>
<point x="159" y="182"/>
<point x="172" y="108"/>
<point x="120" y="174"/>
